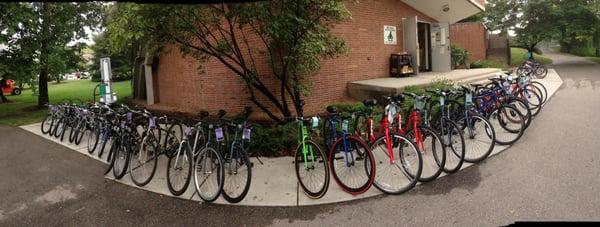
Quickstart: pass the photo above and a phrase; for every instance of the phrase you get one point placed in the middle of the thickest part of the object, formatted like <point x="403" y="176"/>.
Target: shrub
<point x="460" y="56"/>
<point x="277" y="140"/>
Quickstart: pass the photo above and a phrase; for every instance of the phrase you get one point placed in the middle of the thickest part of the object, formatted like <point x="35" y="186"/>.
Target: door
<point x="424" y="44"/>
<point x="410" y="40"/>
<point x="440" y="47"/>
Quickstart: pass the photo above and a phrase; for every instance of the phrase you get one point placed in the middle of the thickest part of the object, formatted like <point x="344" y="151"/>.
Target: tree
<point x="42" y="30"/>
<point x="121" y="61"/>
<point x="499" y="15"/>
<point x="536" y="24"/>
<point x="294" y="36"/>
<point x="576" y="23"/>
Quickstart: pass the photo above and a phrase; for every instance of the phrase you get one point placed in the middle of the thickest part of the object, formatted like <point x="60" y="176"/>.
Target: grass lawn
<point x="519" y="55"/>
<point x="21" y="109"/>
<point x="594" y="59"/>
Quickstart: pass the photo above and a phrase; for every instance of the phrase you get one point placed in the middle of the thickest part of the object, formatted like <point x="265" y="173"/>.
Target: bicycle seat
<point x="398" y="97"/>
<point x="222" y="113"/>
<point x="370" y="102"/>
<point x="332" y="109"/>
<point x="203" y="114"/>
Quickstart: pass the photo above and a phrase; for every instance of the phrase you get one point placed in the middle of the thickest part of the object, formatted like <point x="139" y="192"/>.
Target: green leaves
<point x="291" y="36"/>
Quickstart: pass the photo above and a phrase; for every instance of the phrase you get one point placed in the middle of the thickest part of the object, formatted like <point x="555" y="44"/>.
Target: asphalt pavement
<point x="552" y="173"/>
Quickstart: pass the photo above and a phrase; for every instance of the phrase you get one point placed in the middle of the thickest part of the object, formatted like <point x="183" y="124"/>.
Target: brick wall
<point x="471" y="36"/>
<point x="183" y="88"/>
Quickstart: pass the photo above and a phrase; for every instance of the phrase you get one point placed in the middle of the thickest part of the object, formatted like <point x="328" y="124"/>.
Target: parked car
<point x="11" y="88"/>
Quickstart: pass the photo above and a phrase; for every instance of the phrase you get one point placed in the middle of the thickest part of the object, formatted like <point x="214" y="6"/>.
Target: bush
<point x="460" y="56"/>
<point x="488" y="64"/>
<point x="277" y="140"/>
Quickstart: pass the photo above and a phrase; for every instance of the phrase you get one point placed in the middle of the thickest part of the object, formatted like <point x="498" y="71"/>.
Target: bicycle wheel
<point x="454" y="143"/>
<point x="541" y="71"/>
<point x="93" y="138"/>
<point x="312" y="170"/>
<point x="400" y="174"/>
<point x="523" y="108"/>
<point x="179" y="169"/>
<point x="46" y="125"/>
<point x="143" y="162"/>
<point x="175" y="130"/>
<point x="114" y="146"/>
<point x="543" y="89"/>
<point x="532" y="98"/>
<point x="432" y="151"/>
<point x="73" y="131"/>
<point x="80" y="133"/>
<point x="508" y="123"/>
<point x="121" y="158"/>
<point x="238" y="174"/>
<point x="479" y="138"/>
<point x="59" y="127"/>
<point x="353" y="172"/>
<point x="208" y="174"/>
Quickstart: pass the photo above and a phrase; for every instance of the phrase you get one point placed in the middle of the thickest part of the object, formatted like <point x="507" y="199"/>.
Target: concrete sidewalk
<point x="274" y="183"/>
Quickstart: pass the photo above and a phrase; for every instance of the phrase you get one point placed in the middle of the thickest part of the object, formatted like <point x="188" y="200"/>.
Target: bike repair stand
<point x="107" y="95"/>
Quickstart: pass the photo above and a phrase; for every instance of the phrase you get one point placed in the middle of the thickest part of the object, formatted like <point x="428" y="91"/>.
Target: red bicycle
<point x="398" y="162"/>
<point x="427" y="140"/>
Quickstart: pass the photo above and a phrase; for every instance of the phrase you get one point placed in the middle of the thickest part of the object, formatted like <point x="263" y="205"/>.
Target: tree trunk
<point x="43" y="81"/>
<point x="2" y="97"/>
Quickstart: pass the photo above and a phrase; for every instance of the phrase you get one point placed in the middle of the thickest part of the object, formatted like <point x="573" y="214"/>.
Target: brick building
<point x="422" y="29"/>
<point x="472" y="36"/>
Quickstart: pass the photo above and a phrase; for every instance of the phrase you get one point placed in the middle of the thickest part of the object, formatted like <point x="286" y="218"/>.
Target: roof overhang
<point x="450" y="11"/>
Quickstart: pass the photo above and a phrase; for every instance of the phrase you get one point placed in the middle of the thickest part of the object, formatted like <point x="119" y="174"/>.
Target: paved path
<point x="553" y="175"/>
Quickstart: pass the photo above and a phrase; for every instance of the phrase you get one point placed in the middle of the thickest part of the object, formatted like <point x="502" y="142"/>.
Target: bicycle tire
<point x="383" y="165"/>
<point x="244" y="160"/>
<point x="543" y="88"/>
<point x="471" y="137"/>
<point x="93" y="138"/>
<point x="48" y="123"/>
<point x="499" y="118"/>
<point x="173" y="167"/>
<point x="369" y="164"/>
<point x="81" y="130"/>
<point x="209" y="154"/>
<point x="147" y="158"/>
<point x="436" y="171"/>
<point x="320" y="159"/>
<point x="456" y="153"/>
<point x="121" y="159"/>
<point x="523" y="108"/>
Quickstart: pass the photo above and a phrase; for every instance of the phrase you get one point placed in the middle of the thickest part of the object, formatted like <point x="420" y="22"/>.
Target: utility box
<point x="107" y="95"/>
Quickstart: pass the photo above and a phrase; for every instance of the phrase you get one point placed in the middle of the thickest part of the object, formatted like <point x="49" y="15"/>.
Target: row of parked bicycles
<point x="410" y="138"/>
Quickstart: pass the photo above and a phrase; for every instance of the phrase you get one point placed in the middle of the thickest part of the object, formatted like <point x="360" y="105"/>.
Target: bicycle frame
<point x="347" y="149"/>
<point x="303" y="136"/>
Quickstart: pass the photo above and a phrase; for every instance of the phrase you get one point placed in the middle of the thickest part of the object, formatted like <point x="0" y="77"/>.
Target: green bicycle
<point x="311" y="166"/>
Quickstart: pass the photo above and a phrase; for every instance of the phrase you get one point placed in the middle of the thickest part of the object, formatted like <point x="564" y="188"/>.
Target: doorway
<point x="424" y="42"/>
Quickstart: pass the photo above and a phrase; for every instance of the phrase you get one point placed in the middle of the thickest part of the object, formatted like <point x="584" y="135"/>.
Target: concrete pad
<point x="365" y="89"/>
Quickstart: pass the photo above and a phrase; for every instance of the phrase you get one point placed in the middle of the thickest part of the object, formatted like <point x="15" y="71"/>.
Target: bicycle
<point x="208" y="163"/>
<point x="310" y="162"/>
<point x="452" y="135"/>
<point x="237" y="165"/>
<point x="434" y="157"/>
<point x="349" y="151"/>
<point x="476" y="128"/>
<point x="398" y="161"/>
